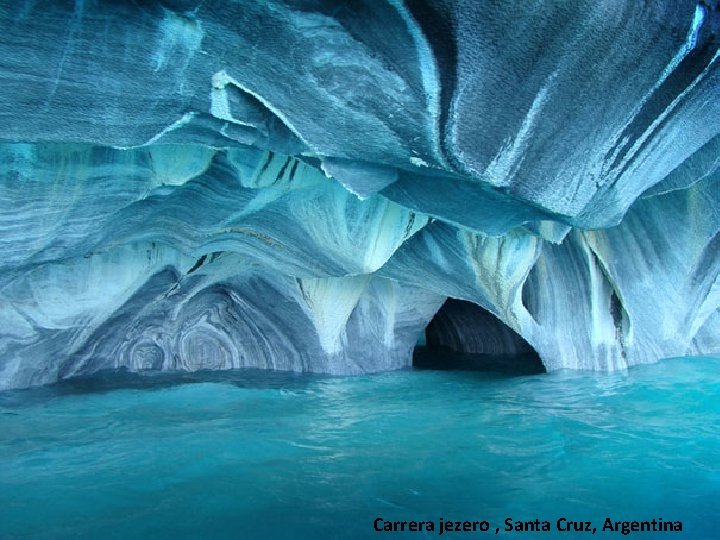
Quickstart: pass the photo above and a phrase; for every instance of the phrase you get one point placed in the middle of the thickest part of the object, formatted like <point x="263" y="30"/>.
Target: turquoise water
<point x="268" y="455"/>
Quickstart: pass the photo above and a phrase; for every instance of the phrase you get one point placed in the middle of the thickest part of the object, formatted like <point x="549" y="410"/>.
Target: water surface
<point x="272" y="455"/>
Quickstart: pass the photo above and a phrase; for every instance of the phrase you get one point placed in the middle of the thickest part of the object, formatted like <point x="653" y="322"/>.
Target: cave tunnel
<point x="465" y="336"/>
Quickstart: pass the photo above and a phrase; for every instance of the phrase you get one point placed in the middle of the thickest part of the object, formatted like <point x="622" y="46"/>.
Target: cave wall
<point x="465" y="327"/>
<point x="301" y="185"/>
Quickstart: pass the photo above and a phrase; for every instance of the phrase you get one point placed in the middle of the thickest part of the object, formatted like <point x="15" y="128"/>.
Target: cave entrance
<point x="465" y="336"/>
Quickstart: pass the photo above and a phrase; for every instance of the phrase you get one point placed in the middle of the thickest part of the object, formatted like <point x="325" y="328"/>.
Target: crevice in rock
<point x="619" y="314"/>
<point x="616" y="310"/>
<point x="197" y="264"/>
<point x="527" y="294"/>
<point x="465" y="336"/>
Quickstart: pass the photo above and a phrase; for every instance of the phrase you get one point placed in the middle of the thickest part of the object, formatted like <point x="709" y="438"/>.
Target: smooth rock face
<point x="300" y="185"/>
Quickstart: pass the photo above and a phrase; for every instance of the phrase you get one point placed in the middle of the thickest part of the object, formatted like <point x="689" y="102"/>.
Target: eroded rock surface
<point x="302" y="184"/>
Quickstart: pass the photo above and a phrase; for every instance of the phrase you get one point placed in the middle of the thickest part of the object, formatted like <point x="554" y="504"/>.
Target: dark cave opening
<point x="465" y="336"/>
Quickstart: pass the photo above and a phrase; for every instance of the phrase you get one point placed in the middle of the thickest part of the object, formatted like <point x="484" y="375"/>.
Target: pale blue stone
<point x="301" y="185"/>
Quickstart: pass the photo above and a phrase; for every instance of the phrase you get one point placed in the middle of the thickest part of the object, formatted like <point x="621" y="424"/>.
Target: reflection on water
<point x="252" y="454"/>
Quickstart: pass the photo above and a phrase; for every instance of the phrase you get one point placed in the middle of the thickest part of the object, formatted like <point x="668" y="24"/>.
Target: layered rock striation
<point x="301" y="185"/>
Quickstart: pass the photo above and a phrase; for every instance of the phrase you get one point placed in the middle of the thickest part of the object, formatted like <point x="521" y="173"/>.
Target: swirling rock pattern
<point x="301" y="184"/>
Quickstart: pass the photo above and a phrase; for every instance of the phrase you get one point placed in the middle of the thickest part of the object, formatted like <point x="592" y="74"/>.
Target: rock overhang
<point x="500" y="156"/>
